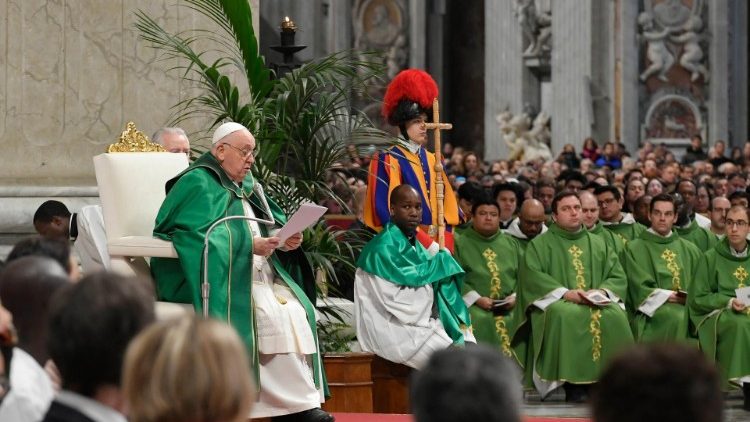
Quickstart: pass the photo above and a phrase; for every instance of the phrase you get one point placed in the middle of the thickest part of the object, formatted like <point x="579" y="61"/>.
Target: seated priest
<point x="722" y="319"/>
<point x="490" y="259"/>
<point x="407" y="299"/>
<point x="249" y="287"/>
<point x="570" y="307"/>
<point x="660" y="267"/>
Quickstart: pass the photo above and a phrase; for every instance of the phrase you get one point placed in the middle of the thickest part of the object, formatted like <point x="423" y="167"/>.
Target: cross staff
<point x="437" y="126"/>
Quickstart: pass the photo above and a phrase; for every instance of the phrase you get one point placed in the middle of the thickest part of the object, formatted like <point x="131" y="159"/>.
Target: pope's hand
<point x="737" y="305"/>
<point x="293" y="242"/>
<point x="484" y="303"/>
<point x="264" y="246"/>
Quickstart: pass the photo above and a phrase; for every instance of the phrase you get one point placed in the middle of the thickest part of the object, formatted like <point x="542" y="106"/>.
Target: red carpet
<point x="371" y="417"/>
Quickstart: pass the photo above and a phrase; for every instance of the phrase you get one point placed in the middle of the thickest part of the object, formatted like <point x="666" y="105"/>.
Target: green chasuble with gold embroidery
<point x="699" y="236"/>
<point x="491" y="265"/>
<point x="195" y="199"/>
<point x="654" y="264"/>
<point x="627" y="230"/>
<point x="614" y="241"/>
<point x="569" y="342"/>
<point x="724" y="334"/>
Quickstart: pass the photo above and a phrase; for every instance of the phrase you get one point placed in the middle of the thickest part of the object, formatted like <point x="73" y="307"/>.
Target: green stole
<point x="699" y="236"/>
<point x="491" y="265"/>
<point x="196" y="198"/>
<point x="390" y="256"/>
<point x="655" y="262"/>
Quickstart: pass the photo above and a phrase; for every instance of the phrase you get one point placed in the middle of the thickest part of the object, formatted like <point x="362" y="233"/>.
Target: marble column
<point x="738" y="87"/>
<point x="573" y="114"/>
<point x="718" y="101"/>
<point x="504" y="72"/>
<point x="628" y="128"/>
<point x="417" y="34"/>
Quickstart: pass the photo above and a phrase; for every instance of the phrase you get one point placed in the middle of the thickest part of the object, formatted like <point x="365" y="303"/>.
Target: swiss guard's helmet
<point x="408" y="95"/>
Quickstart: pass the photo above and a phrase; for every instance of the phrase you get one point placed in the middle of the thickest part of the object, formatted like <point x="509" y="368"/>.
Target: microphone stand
<point x="205" y="286"/>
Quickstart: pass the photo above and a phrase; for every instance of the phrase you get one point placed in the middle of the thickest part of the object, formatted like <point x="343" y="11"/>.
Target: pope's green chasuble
<point x="491" y="265"/>
<point x="699" y="236"/>
<point x="391" y="256"/>
<point x="724" y="334"/>
<point x="568" y="342"/>
<point x="656" y="266"/>
<point x="195" y="199"/>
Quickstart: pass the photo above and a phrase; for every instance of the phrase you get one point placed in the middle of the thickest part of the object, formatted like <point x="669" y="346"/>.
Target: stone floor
<point x="555" y="406"/>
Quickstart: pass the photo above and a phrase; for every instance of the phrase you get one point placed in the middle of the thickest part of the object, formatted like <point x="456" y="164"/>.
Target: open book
<point x="499" y="304"/>
<point x="743" y="295"/>
<point x="597" y="298"/>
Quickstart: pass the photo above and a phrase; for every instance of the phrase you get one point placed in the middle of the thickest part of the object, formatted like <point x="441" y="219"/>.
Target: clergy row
<point x="560" y="299"/>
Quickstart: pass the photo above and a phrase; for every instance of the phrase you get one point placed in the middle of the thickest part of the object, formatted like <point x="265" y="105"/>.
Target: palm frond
<point x="240" y="18"/>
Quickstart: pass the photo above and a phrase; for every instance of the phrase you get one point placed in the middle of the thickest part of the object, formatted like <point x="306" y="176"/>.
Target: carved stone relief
<point x="535" y="19"/>
<point x="673" y="75"/>
<point x="381" y="25"/>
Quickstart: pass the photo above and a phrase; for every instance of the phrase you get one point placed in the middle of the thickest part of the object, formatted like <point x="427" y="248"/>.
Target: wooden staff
<point x="437" y="126"/>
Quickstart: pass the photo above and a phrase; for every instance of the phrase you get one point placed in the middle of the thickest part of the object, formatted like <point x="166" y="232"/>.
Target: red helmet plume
<point x="415" y="89"/>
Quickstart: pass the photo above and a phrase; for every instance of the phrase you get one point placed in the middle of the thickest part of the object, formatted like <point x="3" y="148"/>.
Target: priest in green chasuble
<point x="490" y="259"/>
<point x="570" y="304"/>
<point x="689" y="229"/>
<point x="660" y="267"/>
<point x="249" y="287"/>
<point x="590" y="219"/>
<point x="407" y="298"/>
<point x="723" y="320"/>
<point x="622" y="224"/>
<point x="529" y="223"/>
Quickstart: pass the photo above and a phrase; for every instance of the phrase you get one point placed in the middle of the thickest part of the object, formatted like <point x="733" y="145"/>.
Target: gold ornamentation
<point x="741" y="275"/>
<point x="502" y="330"/>
<point x="595" y="327"/>
<point x="670" y="257"/>
<point x="576" y="252"/>
<point x="133" y="140"/>
<point x="623" y="238"/>
<point x="495" y="286"/>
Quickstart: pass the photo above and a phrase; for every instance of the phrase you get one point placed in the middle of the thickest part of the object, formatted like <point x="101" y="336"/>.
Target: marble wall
<point x="72" y="74"/>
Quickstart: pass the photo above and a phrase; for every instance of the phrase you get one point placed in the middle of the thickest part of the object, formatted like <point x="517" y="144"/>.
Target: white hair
<point x="157" y="138"/>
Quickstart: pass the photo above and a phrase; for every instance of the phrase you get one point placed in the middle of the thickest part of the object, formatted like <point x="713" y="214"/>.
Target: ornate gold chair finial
<point x="133" y="140"/>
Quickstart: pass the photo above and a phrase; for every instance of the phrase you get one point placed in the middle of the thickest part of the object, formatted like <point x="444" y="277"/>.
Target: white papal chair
<point x="131" y="178"/>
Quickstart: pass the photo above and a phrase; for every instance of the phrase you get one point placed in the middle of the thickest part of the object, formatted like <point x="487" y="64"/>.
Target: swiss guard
<point x="408" y="105"/>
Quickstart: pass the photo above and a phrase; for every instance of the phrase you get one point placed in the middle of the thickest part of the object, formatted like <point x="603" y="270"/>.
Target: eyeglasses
<point x="739" y="223"/>
<point x="245" y="152"/>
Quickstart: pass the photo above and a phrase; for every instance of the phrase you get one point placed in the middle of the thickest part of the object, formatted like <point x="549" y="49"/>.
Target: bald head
<point x="532" y="208"/>
<point x="402" y="192"/>
<point x="531" y="218"/>
<point x="589" y="208"/>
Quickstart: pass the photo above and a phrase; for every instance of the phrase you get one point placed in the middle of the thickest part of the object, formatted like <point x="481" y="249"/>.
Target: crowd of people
<point x="565" y="263"/>
<point x="556" y="269"/>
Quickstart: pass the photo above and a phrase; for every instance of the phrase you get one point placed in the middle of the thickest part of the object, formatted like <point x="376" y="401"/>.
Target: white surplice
<point x="396" y="322"/>
<point x="285" y="343"/>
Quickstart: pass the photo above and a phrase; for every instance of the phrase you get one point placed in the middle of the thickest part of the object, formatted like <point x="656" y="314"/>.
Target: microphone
<point x="205" y="286"/>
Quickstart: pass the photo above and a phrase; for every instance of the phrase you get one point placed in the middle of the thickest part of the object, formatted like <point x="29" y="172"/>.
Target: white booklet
<point x="597" y="298"/>
<point x="499" y="303"/>
<point x="743" y="294"/>
<point x="307" y="215"/>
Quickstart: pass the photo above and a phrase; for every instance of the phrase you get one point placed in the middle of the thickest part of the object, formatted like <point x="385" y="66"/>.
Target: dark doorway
<point x="464" y="73"/>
